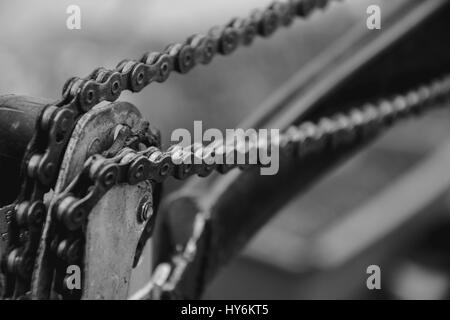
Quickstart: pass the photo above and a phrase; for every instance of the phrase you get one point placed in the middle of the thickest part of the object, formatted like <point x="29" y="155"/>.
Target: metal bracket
<point x="116" y="223"/>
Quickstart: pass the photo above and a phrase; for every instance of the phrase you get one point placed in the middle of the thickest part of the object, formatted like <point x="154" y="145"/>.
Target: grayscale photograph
<point x="226" y="155"/>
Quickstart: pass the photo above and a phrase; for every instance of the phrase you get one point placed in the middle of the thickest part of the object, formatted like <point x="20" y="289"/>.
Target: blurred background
<point x="320" y="245"/>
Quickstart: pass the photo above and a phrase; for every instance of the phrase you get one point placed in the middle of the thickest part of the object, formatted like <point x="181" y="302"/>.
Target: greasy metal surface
<point x="4" y="220"/>
<point x="113" y="229"/>
<point x="42" y="160"/>
<point x="240" y="203"/>
<point x="3" y="229"/>
<point x="18" y="116"/>
<point x="112" y="235"/>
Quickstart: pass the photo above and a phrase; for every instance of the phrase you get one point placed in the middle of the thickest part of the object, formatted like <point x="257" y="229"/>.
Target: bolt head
<point x="145" y="209"/>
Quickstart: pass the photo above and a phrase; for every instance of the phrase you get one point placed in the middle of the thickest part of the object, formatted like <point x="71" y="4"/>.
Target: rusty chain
<point x="100" y="174"/>
<point x="130" y="166"/>
<point x="53" y="129"/>
<point x="302" y="141"/>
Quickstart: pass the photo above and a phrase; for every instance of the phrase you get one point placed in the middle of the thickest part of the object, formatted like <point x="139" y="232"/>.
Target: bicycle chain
<point x="100" y="174"/>
<point x="301" y="141"/>
<point x="53" y="129"/>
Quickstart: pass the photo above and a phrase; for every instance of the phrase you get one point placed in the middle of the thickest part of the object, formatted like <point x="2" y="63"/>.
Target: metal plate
<point x="113" y="230"/>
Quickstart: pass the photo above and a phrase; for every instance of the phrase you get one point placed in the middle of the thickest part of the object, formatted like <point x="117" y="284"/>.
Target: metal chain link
<point x="43" y="156"/>
<point x="302" y="141"/>
<point x="100" y="174"/>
